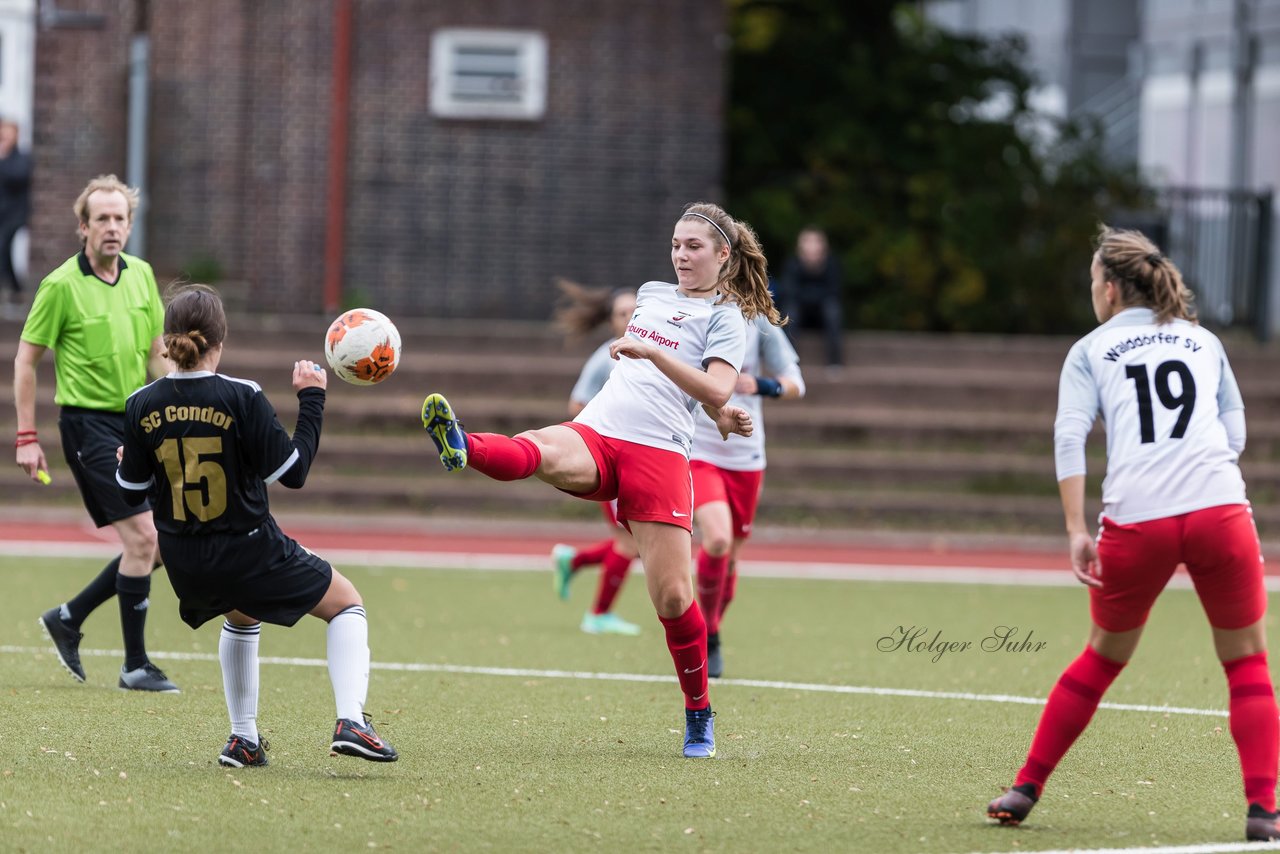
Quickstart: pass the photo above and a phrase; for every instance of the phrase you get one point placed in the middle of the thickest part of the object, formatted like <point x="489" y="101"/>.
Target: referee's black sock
<point x="102" y="588"/>
<point x="133" y="617"/>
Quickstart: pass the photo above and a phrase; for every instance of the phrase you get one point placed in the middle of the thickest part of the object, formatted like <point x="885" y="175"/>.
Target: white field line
<point x="530" y="673"/>
<point x="1205" y="848"/>
<point x="535" y="563"/>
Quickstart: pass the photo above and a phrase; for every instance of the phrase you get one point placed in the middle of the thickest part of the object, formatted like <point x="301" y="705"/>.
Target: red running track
<point x="321" y="536"/>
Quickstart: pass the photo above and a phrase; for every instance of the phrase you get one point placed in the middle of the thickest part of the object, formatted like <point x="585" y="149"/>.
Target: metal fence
<point x="1221" y="240"/>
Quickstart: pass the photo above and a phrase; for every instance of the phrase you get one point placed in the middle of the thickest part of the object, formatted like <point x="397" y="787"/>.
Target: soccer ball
<point x="362" y="346"/>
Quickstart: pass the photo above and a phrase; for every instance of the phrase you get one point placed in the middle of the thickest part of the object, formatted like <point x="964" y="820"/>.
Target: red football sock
<point x="1071" y="705"/>
<point x="591" y="555"/>
<point x="1255" y="726"/>
<point x="611" y="579"/>
<point x="711" y="578"/>
<point x="502" y="457"/>
<point x="730" y="588"/>
<point x="687" y="640"/>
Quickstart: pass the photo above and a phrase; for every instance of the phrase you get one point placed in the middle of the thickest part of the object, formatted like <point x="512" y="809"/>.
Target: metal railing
<point x="1221" y="240"/>
<point x="1117" y="110"/>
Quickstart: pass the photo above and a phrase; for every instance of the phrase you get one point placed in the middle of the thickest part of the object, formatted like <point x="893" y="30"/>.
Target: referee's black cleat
<point x="242" y="753"/>
<point x="359" y="739"/>
<point x="446" y="431"/>
<point x="1012" y="807"/>
<point x="1261" y="825"/>
<point x="715" y="659"/>
<point x="148" y="677"/>
<point x="66" y="641"/>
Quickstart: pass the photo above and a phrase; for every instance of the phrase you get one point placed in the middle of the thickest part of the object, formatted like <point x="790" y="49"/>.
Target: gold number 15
<point x="187" y="468"/>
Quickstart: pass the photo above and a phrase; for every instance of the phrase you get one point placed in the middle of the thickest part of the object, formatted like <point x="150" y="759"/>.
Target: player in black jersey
<point x="203" y="447"/>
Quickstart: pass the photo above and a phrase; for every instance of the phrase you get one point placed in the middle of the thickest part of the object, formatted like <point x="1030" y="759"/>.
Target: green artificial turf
<point x="534" y="762"/>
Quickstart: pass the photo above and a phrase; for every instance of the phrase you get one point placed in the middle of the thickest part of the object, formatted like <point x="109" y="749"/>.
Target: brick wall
<point x="80" y="108"/>
<point x="443" y="217"/>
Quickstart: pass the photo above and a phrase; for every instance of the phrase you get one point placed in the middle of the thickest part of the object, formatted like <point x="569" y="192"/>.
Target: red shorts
<point x="1220" y="547"/>
<point x="650" y="484"/>
<point x="739" y="489"/>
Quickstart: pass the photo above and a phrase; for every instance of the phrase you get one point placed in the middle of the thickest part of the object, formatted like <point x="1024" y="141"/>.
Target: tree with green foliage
<point x="953" y="204"/>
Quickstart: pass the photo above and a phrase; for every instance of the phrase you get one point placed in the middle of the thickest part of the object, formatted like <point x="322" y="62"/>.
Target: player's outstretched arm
<point x="310" y="381"/>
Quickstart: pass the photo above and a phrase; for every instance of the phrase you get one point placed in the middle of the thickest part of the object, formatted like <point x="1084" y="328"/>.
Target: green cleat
<point x="562" y="569"/>
<point x="608" y="624"/>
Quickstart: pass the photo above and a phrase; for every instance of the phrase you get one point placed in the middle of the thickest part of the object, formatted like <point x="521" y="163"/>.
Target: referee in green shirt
<point x="101" y="314"/>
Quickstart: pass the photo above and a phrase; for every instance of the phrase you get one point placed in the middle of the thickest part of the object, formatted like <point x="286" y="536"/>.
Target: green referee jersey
<point x="100" y="333"/>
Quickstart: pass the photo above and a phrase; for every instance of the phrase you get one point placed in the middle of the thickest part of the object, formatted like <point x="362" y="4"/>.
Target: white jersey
<point x="769" y="353"/>
<point x="1161" y="390"/>
<point x="641" y="404"/>
<point x="595" y="373"/>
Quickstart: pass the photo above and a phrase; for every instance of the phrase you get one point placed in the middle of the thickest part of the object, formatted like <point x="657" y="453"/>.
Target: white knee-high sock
<point x="238" y="653"/>
<point x="348" y="638"/>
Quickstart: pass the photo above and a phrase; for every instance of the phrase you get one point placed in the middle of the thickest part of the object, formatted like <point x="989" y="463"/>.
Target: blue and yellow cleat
<point x="446" y="431"/>
<point x="562" y="568"/>
<point x="699" y="733"/>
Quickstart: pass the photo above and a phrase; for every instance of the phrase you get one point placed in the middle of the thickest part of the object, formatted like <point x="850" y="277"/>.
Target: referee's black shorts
<point x="263" y="574"/>
<point x="89" y="441"/>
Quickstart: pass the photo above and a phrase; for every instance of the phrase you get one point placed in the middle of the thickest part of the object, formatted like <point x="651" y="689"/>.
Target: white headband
<point x="713" y="225"/>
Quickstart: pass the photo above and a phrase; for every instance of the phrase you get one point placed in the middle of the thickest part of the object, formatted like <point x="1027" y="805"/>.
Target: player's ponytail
<point x="1144" y="275"/>
<point x="581" y="309"/>
<point x="194" y="323"/>
<point x="745" y="275"/>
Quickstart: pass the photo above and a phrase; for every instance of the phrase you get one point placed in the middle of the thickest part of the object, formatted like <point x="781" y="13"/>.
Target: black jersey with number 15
<point x="204" y="447"/>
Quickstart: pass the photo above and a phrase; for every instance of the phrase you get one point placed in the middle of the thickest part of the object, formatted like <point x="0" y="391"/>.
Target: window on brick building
<point x="488" y="74"/>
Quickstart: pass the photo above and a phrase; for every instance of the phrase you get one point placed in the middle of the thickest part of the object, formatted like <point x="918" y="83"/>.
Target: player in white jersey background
<point x="683" y="348"/>
<point x="583" y="310"/>
<point x="1173" y="495"/>
<point x="728" y="475"/>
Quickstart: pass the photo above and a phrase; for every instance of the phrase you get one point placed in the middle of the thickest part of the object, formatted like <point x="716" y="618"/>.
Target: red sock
<point x="711" y="578"/>
<point x="687" y="640"/>
<point x="1255" y="726"/>
<point x="502" y="457"/>
<point x="1071" y="705"/>
<point x="611" y="579"/>
<point x="730" y="588"/>
<point x="591" y="555"/>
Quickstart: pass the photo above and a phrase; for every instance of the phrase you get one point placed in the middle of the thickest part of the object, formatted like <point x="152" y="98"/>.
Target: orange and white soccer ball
<point x="362" y="346"/>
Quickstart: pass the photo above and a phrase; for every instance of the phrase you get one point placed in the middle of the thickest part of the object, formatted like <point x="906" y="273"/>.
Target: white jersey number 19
<point x="1185" y="400"/>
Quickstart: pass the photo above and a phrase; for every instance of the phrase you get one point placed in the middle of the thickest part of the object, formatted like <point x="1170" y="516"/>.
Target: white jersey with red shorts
<point x="732" y="470"/>
<point x="639" y="426"/>
<point x="1173" y="491"/>
<point x="769" y="353"/>
<point x="641" y="404"/>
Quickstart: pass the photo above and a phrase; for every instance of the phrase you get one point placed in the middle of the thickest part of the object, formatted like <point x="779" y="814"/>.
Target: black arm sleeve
<point x="306" y="436"/>
<point x="131" y="468"/>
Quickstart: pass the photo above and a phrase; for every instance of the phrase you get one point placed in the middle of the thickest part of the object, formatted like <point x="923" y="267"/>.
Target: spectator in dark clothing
<point x="810" y="291"/>
<point x="15" y="201"/>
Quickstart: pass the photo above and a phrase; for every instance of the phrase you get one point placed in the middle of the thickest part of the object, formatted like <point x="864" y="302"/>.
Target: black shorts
<point x="90" y="438"/>
<point x="263" y="574"/>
